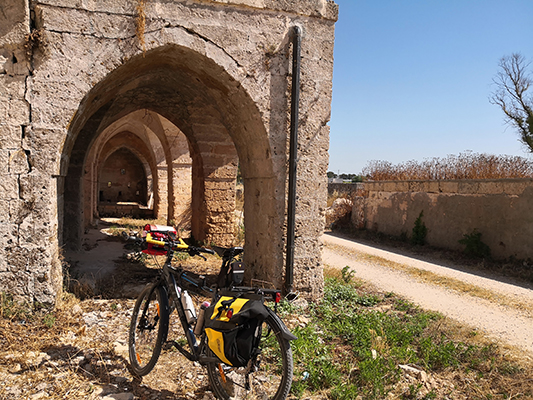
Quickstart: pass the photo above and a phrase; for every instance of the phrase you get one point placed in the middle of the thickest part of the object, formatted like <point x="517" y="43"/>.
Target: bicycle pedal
<point x="168" y="345"/>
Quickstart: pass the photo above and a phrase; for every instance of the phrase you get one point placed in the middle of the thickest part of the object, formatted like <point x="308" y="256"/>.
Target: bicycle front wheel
<point x="148" y="329"/>
<point x="269" y="378"/>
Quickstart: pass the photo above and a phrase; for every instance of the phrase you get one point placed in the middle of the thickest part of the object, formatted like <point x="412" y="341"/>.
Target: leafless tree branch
<point x="512" y="83"/>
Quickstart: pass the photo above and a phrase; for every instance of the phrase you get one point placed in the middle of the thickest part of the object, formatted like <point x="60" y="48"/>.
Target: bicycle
<point x="268" y="372"/>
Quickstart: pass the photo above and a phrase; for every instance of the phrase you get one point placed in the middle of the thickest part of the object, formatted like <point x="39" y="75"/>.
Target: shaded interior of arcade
<point x="163" y="136"/>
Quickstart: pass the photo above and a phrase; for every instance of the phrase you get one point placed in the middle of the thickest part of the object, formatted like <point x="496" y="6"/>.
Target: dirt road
<point x="499" y="307"/>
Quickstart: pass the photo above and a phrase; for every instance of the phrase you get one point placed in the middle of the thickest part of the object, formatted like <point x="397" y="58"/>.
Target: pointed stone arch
<point x="222" y="125"/>
<point x="216" y="70"/>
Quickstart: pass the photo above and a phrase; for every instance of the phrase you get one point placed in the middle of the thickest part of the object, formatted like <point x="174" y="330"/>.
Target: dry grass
<point x="466" y="165"/>
<point x="78" y="350"/>
<point x="140" y="23"/>
<point x="39" y="354"/>
<point x="339" y="210"/>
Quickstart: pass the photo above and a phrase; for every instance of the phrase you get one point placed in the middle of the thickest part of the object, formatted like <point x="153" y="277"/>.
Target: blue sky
<point x="412" y="79"/>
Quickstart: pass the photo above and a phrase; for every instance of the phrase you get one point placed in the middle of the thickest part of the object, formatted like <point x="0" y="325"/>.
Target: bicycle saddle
<point x="227" y="252"/>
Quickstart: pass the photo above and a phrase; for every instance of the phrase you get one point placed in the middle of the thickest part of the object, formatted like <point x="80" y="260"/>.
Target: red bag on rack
<point x="161" y="233"/>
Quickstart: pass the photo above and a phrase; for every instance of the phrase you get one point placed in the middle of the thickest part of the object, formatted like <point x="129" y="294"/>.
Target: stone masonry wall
<point x="71" y="68"/>
<point x="29" y="258"/>
<point x="501" y="210"/>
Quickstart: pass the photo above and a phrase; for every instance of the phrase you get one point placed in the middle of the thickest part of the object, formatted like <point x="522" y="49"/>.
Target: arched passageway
<point x="214" y="75"/>
<point x="122" y="178"/>
<point x="145" y="134"/>
<point x="147" y="107"/>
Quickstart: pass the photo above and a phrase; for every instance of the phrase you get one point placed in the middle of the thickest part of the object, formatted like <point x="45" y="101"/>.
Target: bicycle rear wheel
<point x="271" y="374"/>
<point x="148" y="329"/>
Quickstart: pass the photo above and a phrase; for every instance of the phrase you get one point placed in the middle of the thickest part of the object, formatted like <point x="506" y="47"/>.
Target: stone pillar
<point x="29" y="266"/>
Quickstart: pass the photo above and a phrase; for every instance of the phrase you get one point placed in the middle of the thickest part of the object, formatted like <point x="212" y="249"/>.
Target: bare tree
<point x="512" y="81"/>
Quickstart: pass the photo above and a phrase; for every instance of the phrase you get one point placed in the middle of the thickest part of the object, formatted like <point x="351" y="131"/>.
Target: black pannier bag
<point x="231" y="326"/>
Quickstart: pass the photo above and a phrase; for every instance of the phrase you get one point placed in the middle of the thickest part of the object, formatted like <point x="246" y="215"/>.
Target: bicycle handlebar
<point x="178" y="245"/>
<point x="131" y="238"/>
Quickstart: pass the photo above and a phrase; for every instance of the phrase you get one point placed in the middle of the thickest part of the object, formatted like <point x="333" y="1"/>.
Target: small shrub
<point x="337" y="290"/>
<point x="347" y="275"/>
<point x="11" y="309"/>
<point x="474" y="247"/>
<point x="35" y="39"/>
<point x="419" y="231"/>
<point x="49" y="320"/>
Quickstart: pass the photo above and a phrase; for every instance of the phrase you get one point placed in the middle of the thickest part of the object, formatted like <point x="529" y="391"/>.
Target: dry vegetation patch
<point x="467" y="165"/>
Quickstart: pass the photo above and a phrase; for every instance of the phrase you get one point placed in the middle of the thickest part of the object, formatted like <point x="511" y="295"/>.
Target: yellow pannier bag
<point x="232" y="326"/>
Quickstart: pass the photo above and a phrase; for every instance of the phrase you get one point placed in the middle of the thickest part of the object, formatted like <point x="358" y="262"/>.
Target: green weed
<point x="347" y="275"/>
<point x="420" y="231"/>
<point x="10" y="309"/>
<point x="181" y="256"/>
<point x="49" y="320"/>
<point x="352" y="348"/>
<point x="474" y="247"/>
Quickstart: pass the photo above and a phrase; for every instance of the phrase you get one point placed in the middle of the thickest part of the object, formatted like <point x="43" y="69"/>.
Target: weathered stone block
<point x="433" y="187"/>
<point x="468" y="187"/>
<point x="9" y="187"/>
<point x="4" y="162"/>
<point x="390" y="186"/>
<point x="4" y="212"/>
<point x="14" y="110"/>
<point x="491" y="187"/>
<point x="516" y="186"/>
<point x="120" y="7"/>
<point x="10" y="137"/>
<point x="85" y="23"/>
<point x="8" y="234"/>
<point x="18" y="162"/>
<point x="449" y="186"/>
<point x="14" y="22"/>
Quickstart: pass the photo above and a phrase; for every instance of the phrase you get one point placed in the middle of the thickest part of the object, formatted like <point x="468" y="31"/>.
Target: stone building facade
<point x="189" y="89"/>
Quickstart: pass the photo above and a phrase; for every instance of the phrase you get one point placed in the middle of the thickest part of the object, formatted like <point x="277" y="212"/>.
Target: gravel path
<point x="511" y="325"/>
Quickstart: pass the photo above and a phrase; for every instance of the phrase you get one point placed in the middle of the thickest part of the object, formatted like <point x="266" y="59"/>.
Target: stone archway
<point x="221" y="130"/>
<point x="217" y="70"/>
<point x="147" y="135"/>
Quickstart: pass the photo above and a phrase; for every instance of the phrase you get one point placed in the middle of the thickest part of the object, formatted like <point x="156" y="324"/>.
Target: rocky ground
<point x="83" y="354"/>
<point x="79" y="350"/>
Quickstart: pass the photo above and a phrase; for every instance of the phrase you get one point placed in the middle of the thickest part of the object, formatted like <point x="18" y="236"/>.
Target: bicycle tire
<point x="148" y="329"/>
<point x="273" y="377"/>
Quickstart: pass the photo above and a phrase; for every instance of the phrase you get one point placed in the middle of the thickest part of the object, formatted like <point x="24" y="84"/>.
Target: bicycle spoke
<point x="148" y="329"/>
<point x="222" y="374"/>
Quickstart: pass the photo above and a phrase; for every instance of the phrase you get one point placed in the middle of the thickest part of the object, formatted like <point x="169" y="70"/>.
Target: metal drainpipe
<point x="291" y="206"/>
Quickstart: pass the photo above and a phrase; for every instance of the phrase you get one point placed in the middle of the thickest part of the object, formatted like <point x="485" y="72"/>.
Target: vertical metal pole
<point x="293" y="152"/>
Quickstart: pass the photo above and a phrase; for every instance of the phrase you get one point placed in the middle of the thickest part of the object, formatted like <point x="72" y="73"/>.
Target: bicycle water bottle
<point x="190" y="312"/>
<point x="200" y="321"/>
